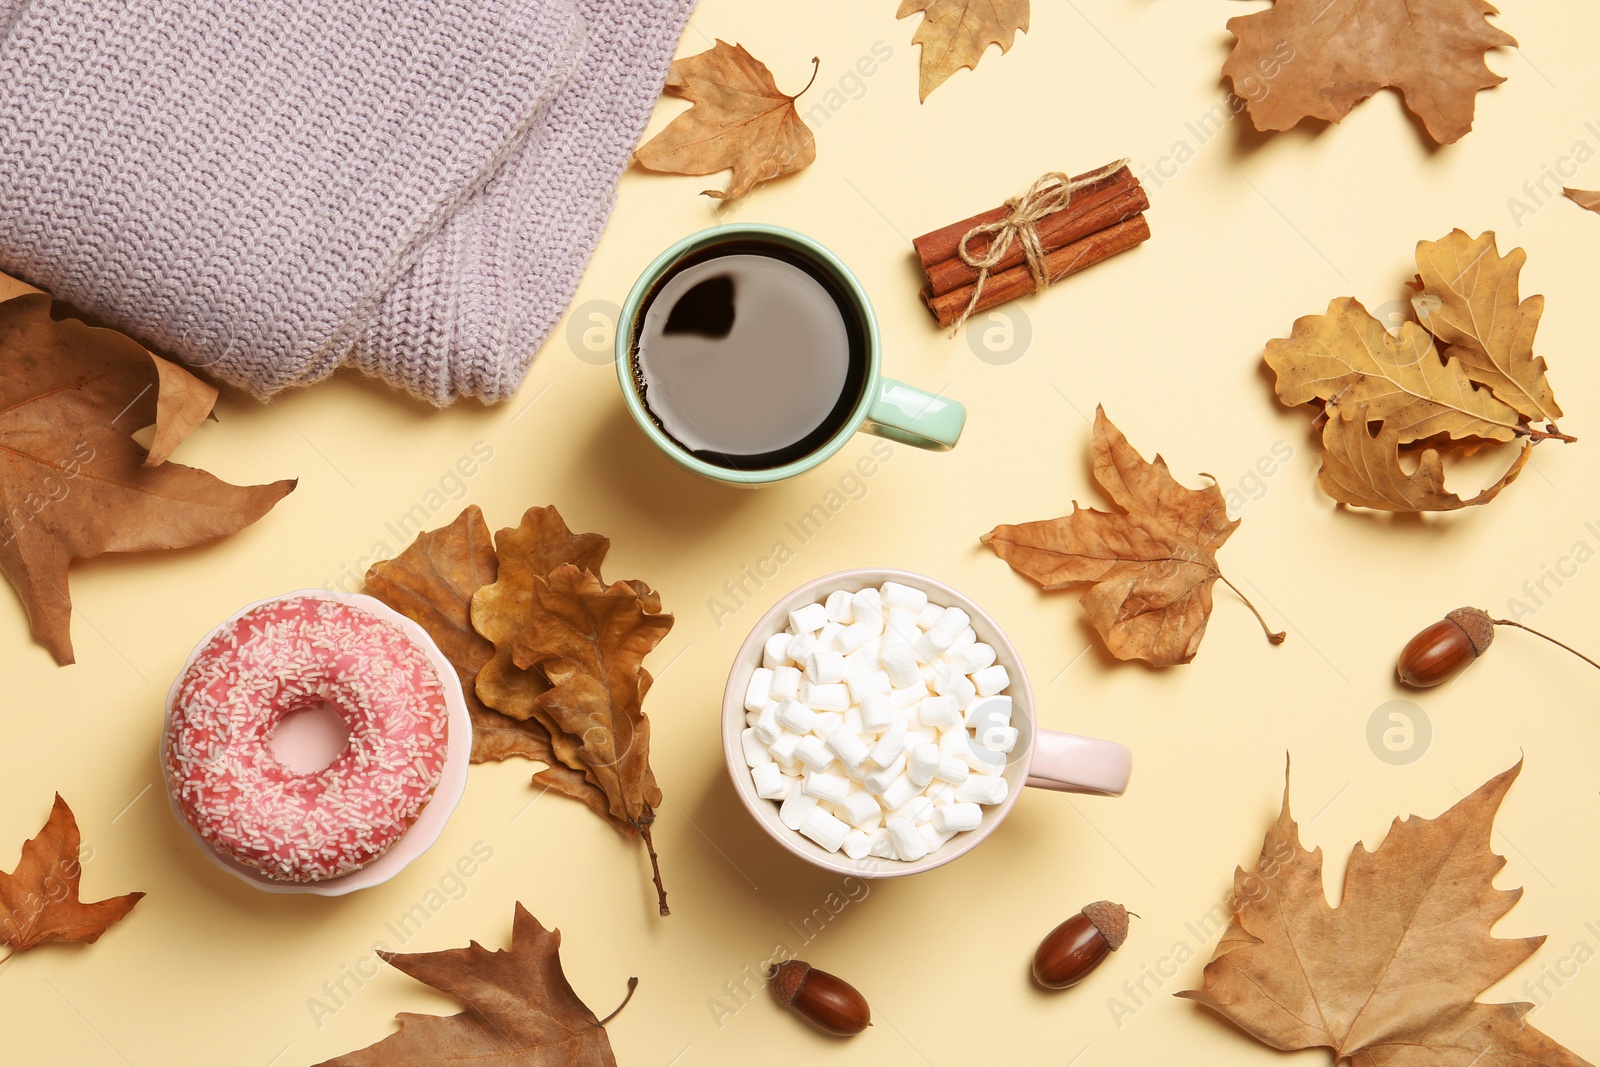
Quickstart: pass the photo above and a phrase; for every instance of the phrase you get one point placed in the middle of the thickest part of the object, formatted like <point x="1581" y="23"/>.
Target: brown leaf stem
<point x="1549" y="433"/>
<point x="633" y="983"/>
<point x="1547" y="637"/>
<point x="655" y="863"/>
<point x="816" y="66"/>
<point x="11" y="952"/>
<point x="1276" y="638"/>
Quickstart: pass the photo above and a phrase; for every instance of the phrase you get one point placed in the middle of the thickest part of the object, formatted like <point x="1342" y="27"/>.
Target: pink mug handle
<point x="1068" y="763"/>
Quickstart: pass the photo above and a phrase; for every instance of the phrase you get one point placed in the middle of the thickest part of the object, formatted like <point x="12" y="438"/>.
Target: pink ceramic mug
<point x="1047" y="759"/>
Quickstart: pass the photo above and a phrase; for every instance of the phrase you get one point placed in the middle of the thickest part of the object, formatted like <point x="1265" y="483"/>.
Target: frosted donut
<point x="278" y="658"/>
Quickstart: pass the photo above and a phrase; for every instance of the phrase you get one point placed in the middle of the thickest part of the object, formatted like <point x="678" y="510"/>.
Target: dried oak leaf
<point x="73" y="482"/>
<point x="39" y="900"/>
<point x="1320" y="59"/>
<point x="739" y="121"/>
<point x="590" y="640"/>
<point x="1389" y="978"/>
<point x="431" y="583"/>
<point x="521" y="1010"/>
<point x="1149" y="571"/>
<point x="1473" y="379"/>
<point x="1589" y="201"/>
<point x="955" y="34"/>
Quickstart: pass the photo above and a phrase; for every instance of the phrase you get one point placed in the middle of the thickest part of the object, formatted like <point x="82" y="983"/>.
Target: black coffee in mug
<point x="749" y="354"/>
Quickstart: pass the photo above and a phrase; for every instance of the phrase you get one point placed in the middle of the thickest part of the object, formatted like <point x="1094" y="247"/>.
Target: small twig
<point x="655" y="864"/>
<point x="1277" y="638"/>
<point x="1547" y="637"/>
<point x="633" y="983"/>
<point x="1549" y="433"/>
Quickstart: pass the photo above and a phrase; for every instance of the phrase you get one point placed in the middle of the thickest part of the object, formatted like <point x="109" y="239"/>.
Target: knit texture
<point x="270" y="189"/>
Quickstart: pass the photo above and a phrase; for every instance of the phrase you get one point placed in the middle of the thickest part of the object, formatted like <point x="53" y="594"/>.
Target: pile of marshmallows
<point x="878" y="720"/>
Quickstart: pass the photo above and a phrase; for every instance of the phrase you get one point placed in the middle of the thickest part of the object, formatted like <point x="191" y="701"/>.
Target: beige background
<point x="1250" y="233"/>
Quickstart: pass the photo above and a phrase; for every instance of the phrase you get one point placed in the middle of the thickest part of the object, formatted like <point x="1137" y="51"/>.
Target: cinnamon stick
<point x="1007" y="285"/>
<point x="942" y="244"/>
<point x="1078" y="220"/>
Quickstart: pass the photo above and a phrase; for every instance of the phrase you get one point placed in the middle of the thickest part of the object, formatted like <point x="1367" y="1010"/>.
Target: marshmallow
<point x="813" y="753"/>
<point x="863" y="685"/>
<point x="963" y="639"/>
<point x="953" y="818"/>
<point x="825" y="665"/>
<point x="932" y="837"/>
<point x="786" y="683"/>
<point x="850" y="749"/>
<point x="902" y="790"/>
<point x="908" y="844"/>
<point x="879" y="780"/>
<point x="900" y="663"/>
<point x="868" y="609"/>
<point x="826" y="830"/>
<point x="949" y="682"/>
<point x="840" y="607"/>
<point x="751" y="718"/>
<point x="767" y="727"/>
<point x="973" y="658"/>
<point x="873" y="821"/>
<point x="857" y="844"/>
<point x="998" y="738"/>
<point x="909" y="697"/>
<point x="827" y="723"/>
<point x="931" y="645"/>
<point x="802" y="646"/>
<point x="881" y="847"/>
<point x="954" y="742"/>
<point x="829" y="634"/>
<point x="859" y="807"/>
<point x="759" y="691"/>
<point x="902" y="623"/>
<point x="939" y="712"/>
<point x="793" y="715"/>
<point x="831" y="696"/>
<point x="783" y="748"/>
<point x="826" y="786"/>
<point x="981" y="789"/>
<point x="808" y="620"/>
<point x="776" y="652"/>
<point x="952" y="769"/>
<point x="854" y="637"/>
<point x="929" y="616"/>
<point x="917" y="809"/>
<point x="852" y="721"/>
<point x="888" y="747"/>
<point x="991" y="680"/>
<point x="942" y="793"/>
<point x="795" y="807"/>
<point x="990" y="711"/>
<point x="952" y="621"/>
<point x="896" y="595"/>
<point x="771" y="782"/>
<point x="755" y="750"/>
<point x="921" y="765"/>
<point x="877" y="714"/>
<point x="986" y="760"/>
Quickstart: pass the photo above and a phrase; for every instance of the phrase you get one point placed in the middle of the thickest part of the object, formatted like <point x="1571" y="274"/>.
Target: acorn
<point x="1076" y="947"/>
<point x="824" y="1001"/>
<point x="1444" y="649"/>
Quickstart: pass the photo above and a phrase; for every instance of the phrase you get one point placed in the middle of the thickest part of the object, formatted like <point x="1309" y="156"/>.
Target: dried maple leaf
<point x="73" y="483"/>
<point x="521" y="1010"/>
<point x="590" y="640"/>
<point x="1389" y="978"/>
<point x="955" y="34"/>
<point x="431" y="583"/>
<point x="1473" y="379"/>
<point x="739" y="121"/>
<point x="1149" y="571"/>
<point x="1320" y="58"/>
<point x="39" y="900"/>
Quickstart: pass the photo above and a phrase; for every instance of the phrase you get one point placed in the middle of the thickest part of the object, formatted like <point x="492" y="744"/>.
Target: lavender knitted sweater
<point x="271" y="189"/>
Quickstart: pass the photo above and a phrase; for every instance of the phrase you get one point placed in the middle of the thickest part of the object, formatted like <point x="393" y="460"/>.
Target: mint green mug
<point x="886" y="407"/>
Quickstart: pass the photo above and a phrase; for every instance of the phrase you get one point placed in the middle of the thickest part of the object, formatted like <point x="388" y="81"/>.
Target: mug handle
<point x="1068" y="763"/>
<point x="906" y="414"/>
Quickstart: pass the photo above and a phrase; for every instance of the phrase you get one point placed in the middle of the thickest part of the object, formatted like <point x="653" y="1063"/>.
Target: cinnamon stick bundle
<point x="1102" y="219"/>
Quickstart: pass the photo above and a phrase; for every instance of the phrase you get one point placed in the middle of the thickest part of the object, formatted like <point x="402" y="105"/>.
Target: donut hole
<point x="307" y="740"/>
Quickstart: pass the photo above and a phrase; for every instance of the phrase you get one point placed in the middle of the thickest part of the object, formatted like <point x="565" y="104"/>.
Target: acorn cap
<point x="786" y="979"/>
<point x="1477" y="625"/>
<point x="1110" y="919"/>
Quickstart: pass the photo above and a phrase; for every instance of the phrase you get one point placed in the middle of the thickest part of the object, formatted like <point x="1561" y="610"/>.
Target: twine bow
<point x="1049" y="194"/>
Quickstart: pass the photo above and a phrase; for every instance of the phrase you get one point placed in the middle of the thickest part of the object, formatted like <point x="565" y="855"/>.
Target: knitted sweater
<point x="271" y="189"/>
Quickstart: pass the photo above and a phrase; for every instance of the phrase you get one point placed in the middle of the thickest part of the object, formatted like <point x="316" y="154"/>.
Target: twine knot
<point x="1049" y="194"/>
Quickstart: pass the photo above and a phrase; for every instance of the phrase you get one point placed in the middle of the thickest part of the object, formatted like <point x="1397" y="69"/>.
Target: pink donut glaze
<point x="278" y="658"/>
